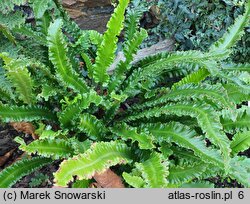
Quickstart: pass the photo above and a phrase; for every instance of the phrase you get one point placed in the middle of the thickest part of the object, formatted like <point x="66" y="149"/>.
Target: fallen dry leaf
<point x="4" y="158"/>
<point x="25" y="127"/>
<point x="107" y="179"/>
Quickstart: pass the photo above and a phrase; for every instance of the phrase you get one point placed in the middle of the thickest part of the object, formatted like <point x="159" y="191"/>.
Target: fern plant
<point x="171" y="120"/>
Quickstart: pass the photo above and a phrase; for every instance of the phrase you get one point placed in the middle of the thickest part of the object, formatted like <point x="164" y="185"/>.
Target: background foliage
<point x="194" y="24"/>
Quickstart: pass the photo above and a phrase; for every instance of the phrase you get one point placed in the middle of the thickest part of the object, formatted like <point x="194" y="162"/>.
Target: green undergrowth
<point x="175" y="119"/>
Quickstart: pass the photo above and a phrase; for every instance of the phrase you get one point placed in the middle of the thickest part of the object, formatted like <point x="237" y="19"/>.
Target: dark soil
<point x="7" y="143"/>
<point x="47" y="170"/>
<point x="7" y="134"/>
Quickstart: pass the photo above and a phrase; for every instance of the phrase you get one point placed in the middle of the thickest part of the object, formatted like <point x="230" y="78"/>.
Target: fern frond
<point x="215" y="93"/>
<point x="80" y="147"/>
<point x="187" y="138"/>
<point x="235" y="78"/>
<point x="7" y="33"/>
<point x="167" y="63"/>
<point x="233" y="34"/>
<point x="16" y="171"/>
<point x="154" y="171"/>
<point x="126" y="132"/>
<point x="19" y="75"/>
<point x="56" y="148"/>
<point x="130" y="48"/>
<point x="207" y="120"/>
<point x="24" y="113"/>
<point x="159" y="66"/>
<point x="106" y="52"/>
<point x="43" y="23"/>
<point x="92" y="126"/>
<point x="184" y="154"/>
<point x="132" y="22"/>
<point x="236" y="95"/>
<point x="194" y="77"/>
<point x="185" y="173"/>
<point x="134" y="181"/>
<point x="73" y="110"/>
<point x="58" y="56"/>
<point x="6" y="91"/>
<point x="237" y="121"/>
<point x="81" y="184"/>
<point x="89" y="64"/>
<point x="27" y="31"/>
<point x="95" y="37"/>
<point x="98" y="158"/>
<point x="240" y="170"/>
<point x="236" y="67"/>
<point x="39" y="7"/>
<point x="12" y="20"/>
<point x="241" y="142"/>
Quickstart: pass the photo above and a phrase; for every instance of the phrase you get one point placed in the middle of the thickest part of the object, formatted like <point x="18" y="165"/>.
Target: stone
<point x="89" y="14"/>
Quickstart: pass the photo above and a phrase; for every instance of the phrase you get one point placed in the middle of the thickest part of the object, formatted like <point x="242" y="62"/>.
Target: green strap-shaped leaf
<point x="6" y="87"/>
<point x="126" y="132"/>
<point x="241" y="142"/>
<point x="92" y="126"/>
<point x="166" y="63"/>
<point x="80" y="147"/>
<point x="215" y="93"/>
<point x="56" y="148"/>
<point x="194" y="77"/>
<point x="95" y="37"/>
<point x="132" y="22"/>
<point x="236" y="79"/>
<point x="27" y="31"/>
<point x="39" y="7"/>
<point x="240" y="170"/>
<point x="81" y="184"/>
<point x="43" y="23"/>
<point x="106" y="52"/>
<point x="187" y="138"/>
<point x="24" y="113"/>
<point x="72" y="111"/>
<point x="236" y="67"/>
<point x="185" y="173"/>
<point x="129" y="50"/>
<point x="234" y="32"/>
<point x="236" y="121"/>
<point x="11" y="174"/>
<point x="18" y="74"/>
<point x="134" y="181"/>
<point x="89" y="64"/>
<point x="206" y="117"/>
<point x="22" y="81"/>
<point x="154" y="171"/>
<point x="236" y="95"/>
<point x="58" y="56"/>
<point x="184" y="154"/>
<point x="98" y="158"/>
<point x="7" y="33"/>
